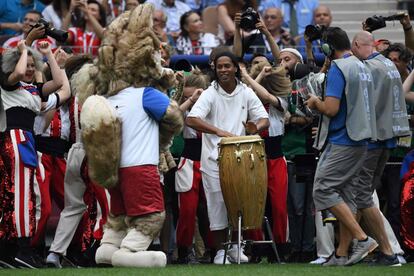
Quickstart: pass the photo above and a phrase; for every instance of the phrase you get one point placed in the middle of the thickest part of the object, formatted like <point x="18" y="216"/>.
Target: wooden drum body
<point x="243" y="179"/>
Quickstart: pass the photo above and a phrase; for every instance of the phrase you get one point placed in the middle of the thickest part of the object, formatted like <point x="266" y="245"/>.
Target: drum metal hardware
<point x="239" y="153"/>
<point x="260" y="154"/>
<point x="252" y="159"/>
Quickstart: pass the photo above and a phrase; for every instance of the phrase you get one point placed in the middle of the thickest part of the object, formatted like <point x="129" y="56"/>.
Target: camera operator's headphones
<point x="327" y="49"/>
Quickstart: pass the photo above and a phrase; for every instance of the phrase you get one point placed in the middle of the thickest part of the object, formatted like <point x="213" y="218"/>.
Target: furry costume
<point x="129" y="60"/>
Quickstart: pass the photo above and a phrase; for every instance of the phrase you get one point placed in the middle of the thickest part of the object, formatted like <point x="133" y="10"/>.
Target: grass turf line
<point x="232" y="270"/>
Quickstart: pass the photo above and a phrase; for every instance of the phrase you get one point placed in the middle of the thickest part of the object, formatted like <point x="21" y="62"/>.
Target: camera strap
<point x="87" y="49"/>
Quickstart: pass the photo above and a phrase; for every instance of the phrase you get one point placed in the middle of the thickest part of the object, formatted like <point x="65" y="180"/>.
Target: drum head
<point x="240" y="139"/>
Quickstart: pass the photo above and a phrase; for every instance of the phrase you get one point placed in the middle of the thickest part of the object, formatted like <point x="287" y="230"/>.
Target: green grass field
<point x="233" y="270"/>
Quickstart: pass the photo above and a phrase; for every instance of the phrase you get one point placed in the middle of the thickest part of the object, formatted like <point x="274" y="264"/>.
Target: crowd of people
<point x="335" y="113"/>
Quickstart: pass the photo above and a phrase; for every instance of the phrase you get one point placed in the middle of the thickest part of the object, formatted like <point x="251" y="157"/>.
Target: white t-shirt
<point x="277" y="118"/>
<point x="39" y="123"/>
<point x="25" y="95"/>
<point x="227" y="112"/>
<point x="140" y="110"/>
<point x="188" y="132"/>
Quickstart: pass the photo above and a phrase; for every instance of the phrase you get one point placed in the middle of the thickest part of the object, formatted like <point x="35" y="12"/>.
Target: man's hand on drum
<point x="223" y="133"/>
<point x="251" y="128"/>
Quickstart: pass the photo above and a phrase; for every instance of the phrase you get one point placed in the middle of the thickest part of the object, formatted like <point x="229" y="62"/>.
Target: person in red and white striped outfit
<point x="22" y="96"/>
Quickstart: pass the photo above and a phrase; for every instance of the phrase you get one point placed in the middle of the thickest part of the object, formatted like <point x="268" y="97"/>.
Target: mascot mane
<point x="128" y="56"/>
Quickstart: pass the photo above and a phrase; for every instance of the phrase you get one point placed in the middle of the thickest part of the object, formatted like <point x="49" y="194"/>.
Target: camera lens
<point x="313" y="32"/>
<point x="249" y="18"/>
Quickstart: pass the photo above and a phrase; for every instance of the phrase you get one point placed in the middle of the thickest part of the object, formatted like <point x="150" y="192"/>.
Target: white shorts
<point x="217" y="211"/>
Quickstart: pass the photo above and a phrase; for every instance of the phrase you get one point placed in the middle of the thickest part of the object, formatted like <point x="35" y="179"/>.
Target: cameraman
<point x="226" y="17"/>
<point x="33" y="35"/>
<point x="377" y="22"/>
<point x="273" y="20"/>
<point x="321" y="17"/>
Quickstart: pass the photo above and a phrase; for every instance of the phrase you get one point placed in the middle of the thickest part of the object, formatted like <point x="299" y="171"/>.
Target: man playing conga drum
<point x="227" y="108"/>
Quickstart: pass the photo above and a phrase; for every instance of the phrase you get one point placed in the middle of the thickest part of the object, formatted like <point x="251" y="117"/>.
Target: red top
<point x="84" y="43"/>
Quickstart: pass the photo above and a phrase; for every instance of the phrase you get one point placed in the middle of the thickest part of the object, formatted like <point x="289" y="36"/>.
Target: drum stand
<point x="241" y="242"/>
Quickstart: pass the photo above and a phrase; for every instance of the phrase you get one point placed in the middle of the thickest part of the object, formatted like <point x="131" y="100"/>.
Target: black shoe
<point x="75" y="261"/>
<point x="283" y="250"/>
<point x="385" y="260"/>
<point x="91" y="252"/>
<point x="28" y="260"/>
<point x="182" y="255"/>
<point x="5" y="263"/>
<point x="192" y="259"/>
<point x="26" y="256"/>
<point x="187" y="256"/>
<point x="307" y="256"/>
<point x="294" y="257"/>
<point x="206" y="258"/>
<point x="7" y="252"/>
<point x="77" y="258"/>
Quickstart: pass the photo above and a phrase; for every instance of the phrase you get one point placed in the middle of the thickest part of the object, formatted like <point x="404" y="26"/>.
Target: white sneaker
<point x="319" y="261"/>
<point x="53" y="260"/>
<point x="232" y="253"/>
<point x="401" y="259"/>
<point x="218" y="259"/>
<point x="361" y="250"/>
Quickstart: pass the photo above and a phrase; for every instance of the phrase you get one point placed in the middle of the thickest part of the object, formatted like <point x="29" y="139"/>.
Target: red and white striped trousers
<point x="16" y="186"/>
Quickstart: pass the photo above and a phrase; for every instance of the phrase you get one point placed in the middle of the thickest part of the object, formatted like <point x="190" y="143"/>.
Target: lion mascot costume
<point x="127" y="124"/>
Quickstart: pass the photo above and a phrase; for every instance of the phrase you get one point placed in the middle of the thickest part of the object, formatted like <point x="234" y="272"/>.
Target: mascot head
<point x="129" y="56"/>
<point x="130" y="53"/>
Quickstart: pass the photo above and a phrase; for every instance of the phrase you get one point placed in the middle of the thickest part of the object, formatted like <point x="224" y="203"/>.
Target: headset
<point x="328" y="50"/>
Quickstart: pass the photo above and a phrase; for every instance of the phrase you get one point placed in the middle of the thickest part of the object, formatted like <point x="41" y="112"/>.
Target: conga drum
<point x="243" y="179"/>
